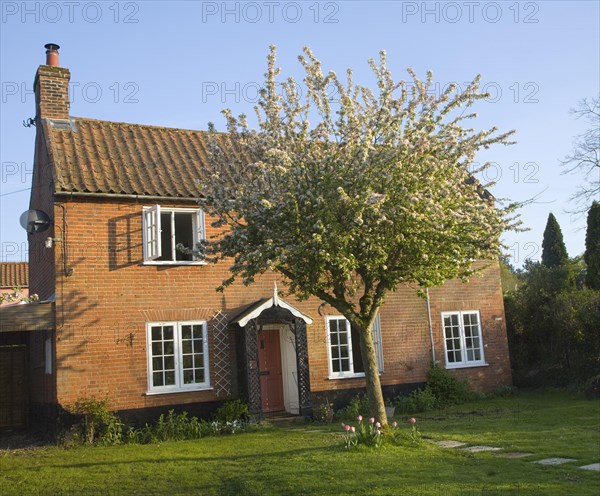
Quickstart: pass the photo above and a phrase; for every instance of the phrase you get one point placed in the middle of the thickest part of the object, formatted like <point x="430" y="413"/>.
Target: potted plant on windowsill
<point x="390" y="408"/>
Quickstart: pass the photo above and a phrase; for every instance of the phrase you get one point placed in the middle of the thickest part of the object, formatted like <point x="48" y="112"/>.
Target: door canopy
<point x="254" y="310"/>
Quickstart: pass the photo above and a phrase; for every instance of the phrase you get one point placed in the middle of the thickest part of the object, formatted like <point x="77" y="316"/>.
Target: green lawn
<point x="296" y="462"/>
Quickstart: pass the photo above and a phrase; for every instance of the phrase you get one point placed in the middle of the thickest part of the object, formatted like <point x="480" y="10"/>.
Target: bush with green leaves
<point x="420" y="400"/>
<point x="448" y="389"/>
<point x="232" y="410"/>
<point x="553" y="326"/>
<point x="97" y="424"/>
<point x="359" y="403"/>
<point x="442" y="389"/>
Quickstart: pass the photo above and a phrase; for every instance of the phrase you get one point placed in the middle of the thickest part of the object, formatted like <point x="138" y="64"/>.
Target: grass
<point x="293" y="461"/>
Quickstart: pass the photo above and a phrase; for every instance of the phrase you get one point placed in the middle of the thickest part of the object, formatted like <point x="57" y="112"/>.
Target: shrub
<point x="324" y="412"/>
<point x="442" y="389"/>
<point x="97" y="423"/>
<point x="448" y="389"/>
<point x="232" y="410"/>
<point x="420" y="400"/>
<point x="358" y="404"/>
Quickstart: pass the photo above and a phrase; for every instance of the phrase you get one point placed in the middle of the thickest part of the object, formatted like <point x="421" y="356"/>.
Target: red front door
<point x="269" y="359"/>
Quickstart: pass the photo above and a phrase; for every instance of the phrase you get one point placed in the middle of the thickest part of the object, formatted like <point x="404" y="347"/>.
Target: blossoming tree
<point x="350" y="195"/>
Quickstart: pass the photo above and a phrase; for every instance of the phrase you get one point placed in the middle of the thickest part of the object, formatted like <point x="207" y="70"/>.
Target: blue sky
<point x="178" y="64"/>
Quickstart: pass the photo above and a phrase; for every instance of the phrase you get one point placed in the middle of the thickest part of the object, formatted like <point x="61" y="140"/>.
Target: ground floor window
<point x="462" y="339"/>
<point x="345" y="357"/>
<point x="177" y="356"/>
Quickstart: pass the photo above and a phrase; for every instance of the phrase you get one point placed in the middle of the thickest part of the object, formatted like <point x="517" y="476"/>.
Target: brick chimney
<point x="51" y="87"/>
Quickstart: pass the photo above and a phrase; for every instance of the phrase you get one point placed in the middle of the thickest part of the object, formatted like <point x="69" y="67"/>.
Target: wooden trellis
<point x="222" y="356"/>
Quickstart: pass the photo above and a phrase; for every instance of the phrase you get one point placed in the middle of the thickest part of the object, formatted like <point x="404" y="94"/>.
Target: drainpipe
<point x="430" y="326"/>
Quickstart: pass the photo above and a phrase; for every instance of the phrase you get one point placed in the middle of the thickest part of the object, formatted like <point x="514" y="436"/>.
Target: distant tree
<point x="585" y="157"/>
<point x="592" y="247"/>
<point x="352" y="197"/>
<point x="509" y="276"/>
<point x="554" y="252"/>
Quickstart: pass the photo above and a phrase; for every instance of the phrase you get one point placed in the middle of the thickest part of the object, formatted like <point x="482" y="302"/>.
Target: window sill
<point x="178" y="262"/>
<point x="467" y="366"/>
<point x="175" y="391"/>
<point x="360" y="375"/>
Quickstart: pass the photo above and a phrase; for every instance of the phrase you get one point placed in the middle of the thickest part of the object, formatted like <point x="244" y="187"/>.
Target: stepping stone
<point x="450" y="444"/>
<point x="555" y="461"/>
<point x="593" y="466"/>
<point x="514" y="454"/>
<point x="480" y="449"/>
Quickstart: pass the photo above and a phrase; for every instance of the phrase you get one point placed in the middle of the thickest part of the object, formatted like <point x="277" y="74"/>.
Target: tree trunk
<point x="374" y="393"/>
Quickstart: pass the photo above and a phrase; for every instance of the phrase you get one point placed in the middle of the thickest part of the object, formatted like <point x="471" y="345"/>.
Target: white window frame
<point x="376" y="340"/>
<point x="151" y="231"/>
<point x="179" y="386"/>
<point x="464" y="363"/>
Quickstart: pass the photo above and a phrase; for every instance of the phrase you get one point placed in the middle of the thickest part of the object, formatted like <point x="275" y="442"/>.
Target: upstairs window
<point x="345" y="357"/>
<point x="164" y="229"/>
<point x="462" y="339"/>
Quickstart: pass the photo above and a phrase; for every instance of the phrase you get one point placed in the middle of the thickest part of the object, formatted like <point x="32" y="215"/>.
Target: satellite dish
<point x="35" y="221"/>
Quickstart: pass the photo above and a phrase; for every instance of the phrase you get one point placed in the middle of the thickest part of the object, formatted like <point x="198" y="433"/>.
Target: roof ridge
<point x="134" y="124"/>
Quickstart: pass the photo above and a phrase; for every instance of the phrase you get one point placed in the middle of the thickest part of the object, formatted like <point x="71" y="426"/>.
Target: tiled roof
<point x="92" y="156"/>
<point x="13" y="274"/>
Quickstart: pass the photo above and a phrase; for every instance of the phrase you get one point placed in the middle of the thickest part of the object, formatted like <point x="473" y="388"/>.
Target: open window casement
<point x="199" y="226"/>
<point x="152" y="244"/>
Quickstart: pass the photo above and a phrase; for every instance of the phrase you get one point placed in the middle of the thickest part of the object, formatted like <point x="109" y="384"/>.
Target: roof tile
<point x="14" y="274"/>
<point x="92" y="156"/>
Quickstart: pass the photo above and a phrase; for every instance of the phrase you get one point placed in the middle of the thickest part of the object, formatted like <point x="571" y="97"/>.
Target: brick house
<point x="140" y="323"/>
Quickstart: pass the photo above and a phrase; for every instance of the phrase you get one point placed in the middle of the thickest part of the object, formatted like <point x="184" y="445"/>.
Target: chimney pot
<point x="52" y="54"/>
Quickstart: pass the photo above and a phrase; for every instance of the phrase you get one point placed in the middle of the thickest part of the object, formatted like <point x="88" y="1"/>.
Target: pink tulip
<point x="347" y="428"/>
<point x="353" y="429"/>
<point x="372" y="420"/>
<point x="412" y="420"/>
<point x="378" y="425"/>
<point x="359" y="418"/>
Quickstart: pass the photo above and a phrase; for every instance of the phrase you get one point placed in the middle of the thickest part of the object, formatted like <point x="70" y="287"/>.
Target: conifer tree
<point x="592" y="247"/>
<point x="554" y="252"/>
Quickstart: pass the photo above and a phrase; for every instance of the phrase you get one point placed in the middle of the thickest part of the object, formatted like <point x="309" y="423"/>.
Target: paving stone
<point x="480" y="449"/>
<point x="513" y="454"/>
<point x="593" y="466"/>
<point x="555" y="461"/>
<point x="450" y="444"/>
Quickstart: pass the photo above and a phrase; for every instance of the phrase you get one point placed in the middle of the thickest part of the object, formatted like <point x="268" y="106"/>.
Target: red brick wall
<point x="484" y="294"/>
<point x="112" y="294"/>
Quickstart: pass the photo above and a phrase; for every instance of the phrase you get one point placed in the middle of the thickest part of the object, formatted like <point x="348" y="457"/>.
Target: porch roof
<point x="28" y="317"/>
<point x="255" y="309"/>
